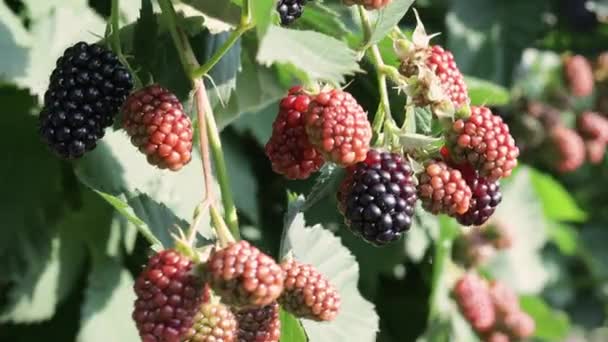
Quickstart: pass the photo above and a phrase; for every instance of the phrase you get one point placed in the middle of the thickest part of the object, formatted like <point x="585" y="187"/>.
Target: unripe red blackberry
<point x="243" y="276"/>
<point x="290" y="10"/>
<point x="289" y="149"/>
<point x="441" y="62"/>
<point x="596" y="149"/>
<point x="168" y="298"/>
<point x="378" y="197"/>
<point x="368" y="4"/>
<point x="259" y="324"/>
<point x="473" y="298"/>
<point x="569" y="148"/>
<point x="484" y="141"/>
<point x="337" y="126"/>
<point x="214" y="322"/>
<point x="86" y="89"/>
<point x="578" y="74"/>
<point x="307" y="293"/>
<point x="155" y="120"/>
<point x="594" y="126"/>
<point x="443" y="189"/>
<point x="503" y="297"/>
<point x="519" y="325"/>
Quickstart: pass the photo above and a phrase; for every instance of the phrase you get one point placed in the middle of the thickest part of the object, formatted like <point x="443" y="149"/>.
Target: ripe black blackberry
<point x="86" y="89"/>
<point x="486" y="196"/>
<point x="290" y="10"/>
<point x="378" y="197"/>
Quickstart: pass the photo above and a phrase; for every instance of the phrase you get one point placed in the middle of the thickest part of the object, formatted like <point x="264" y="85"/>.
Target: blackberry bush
<point x="86" y="89"/>
<point x="378" y="197"/>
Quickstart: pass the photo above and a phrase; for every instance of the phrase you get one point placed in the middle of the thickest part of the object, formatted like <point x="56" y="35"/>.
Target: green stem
<point x="376" y="58"/>
<point x="443" y="251"/>
<point x="115" y="41"/>
<point x="245" y="25"/>
<point x="224" y="235"/>
<point x="190" y="63"/>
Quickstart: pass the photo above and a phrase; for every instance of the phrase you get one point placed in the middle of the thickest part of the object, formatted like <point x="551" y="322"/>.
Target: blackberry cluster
<point x="243" y="276"/>
<point x="87" y="87"/>
<point x="338" y="127"/>
<point x="484" y="141"/>
<point x="289" y="149"/>
<point x="578" y="74"/>
<point x="443" y="189"/>
<point x="378" y="197"/>
<point x="290" y="10"/>
<point x="308" y="294"/>
<point x="213" y="322"/>
<point x="168" y="298"/>
<point x="155" y="120"/>
<point x="259" y="324"/>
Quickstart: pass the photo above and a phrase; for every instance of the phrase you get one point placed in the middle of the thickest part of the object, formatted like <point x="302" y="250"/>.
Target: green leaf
<point x="415" y="141"/>
<point x="551" y="325"/>
<point x="225" y="11"/>
<point x="320" y="57"/>
<point x="262" y="13"/>
<point x="486" y="41"/>
<point x="291" y="328"/>
<point x="484" y="93"/>
<point x="108" y="303"/>
<point x="565" y="237"/>
<point x="357" y="320"/>
<point x="522" y="211"/>
<point x="256" y="88"/>
<point x="144" y="48"/>
<point x="242" y="177"/>
<point x="418" y="239"/>
<point x="258" y="124"/>
<point x="14" y="44"/>
<point x="424" y="119"/>
<point x="388" y="18"/>
<point x="557" y="203"/>
<point x="321" y="18"/>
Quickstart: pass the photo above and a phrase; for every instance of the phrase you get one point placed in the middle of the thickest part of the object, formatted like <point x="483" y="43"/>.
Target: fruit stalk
<point x="189" y="63"/>
<point x="384" y="109"/>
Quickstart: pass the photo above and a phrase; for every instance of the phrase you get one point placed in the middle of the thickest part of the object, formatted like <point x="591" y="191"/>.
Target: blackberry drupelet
<point x="86" y="89"/>
<point x="259" y="324"/>
<point x="379" y="197"/>
<point x="290" y="10"/>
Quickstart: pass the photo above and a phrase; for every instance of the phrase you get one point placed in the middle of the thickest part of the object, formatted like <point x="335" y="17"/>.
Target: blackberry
<point x="485" y="198"/>
<point x="378" y="197"/>
<point x="244" y="276"/>
<point x="569" y="149"/>
<point x="290" y="10"/>
<point x="86" y="89"/>
<point x="443" y="189"/>
<point x="578" y="74"/>
<point x="308" y="293"/>
<point x="213" y="322"/>
<point x="168" y="298"/>
<point x="259" y="324"/>
<point x="472" y="295"/>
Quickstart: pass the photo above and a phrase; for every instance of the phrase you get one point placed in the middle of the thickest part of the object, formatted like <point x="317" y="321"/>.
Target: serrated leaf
<point x="256" y="88"/>
<point x="225" y="11"/>
<point x="241" y="176"/>
<point x="321" y="18"/>
<point x="484" y="93"/>
<point x="320" y="57"/>
<point x="388" y="18"/>
<point x="144" y="48"/>
<point x="291" y="328"/>
<point x="108" y="302"/>
<point x="551" y="325"/>
<point x="118" y="169"/>
<point x="557" y="203"/>
<point x="14" y="44"/>
<point x="522" y="211"/>
<point x="424" y="119"/>
<point x="258" y="124"/>
<point x="357" y="320"/>
<point x="261" y="12"/>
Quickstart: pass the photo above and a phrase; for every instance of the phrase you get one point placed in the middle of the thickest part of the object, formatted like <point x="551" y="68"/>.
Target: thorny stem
<point x="209" y="134"/>
<point x="385" y="106"/>
<point x="245" y="25"/>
